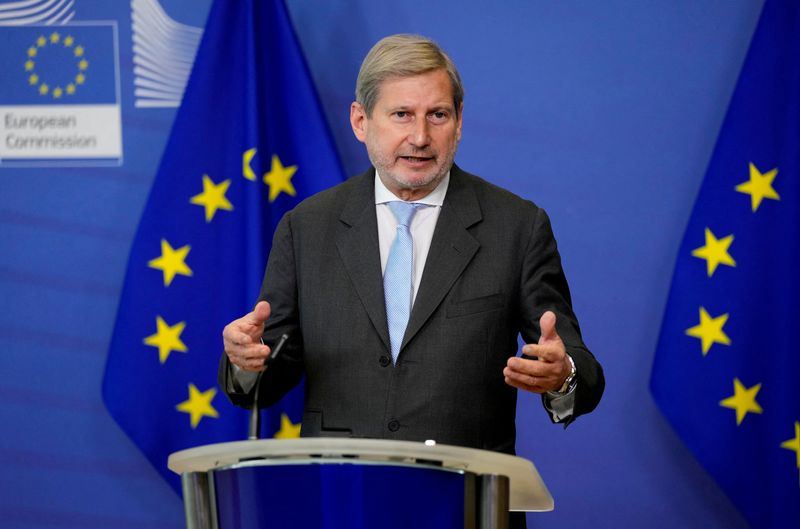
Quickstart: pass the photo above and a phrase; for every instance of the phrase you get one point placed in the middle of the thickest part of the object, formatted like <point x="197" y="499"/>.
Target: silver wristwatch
<point x="570" y="378"/>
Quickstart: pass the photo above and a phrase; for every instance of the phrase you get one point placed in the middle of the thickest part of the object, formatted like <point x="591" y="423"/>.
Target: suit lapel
<point x="357" y="242"/>
<point x="452" y="248"/>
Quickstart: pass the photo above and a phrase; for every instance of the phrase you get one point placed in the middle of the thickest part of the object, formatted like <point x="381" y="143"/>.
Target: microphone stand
<point x="255" y="416"/>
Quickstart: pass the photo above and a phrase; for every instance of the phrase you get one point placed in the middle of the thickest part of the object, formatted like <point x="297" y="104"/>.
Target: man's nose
<point x="419" y="135"/>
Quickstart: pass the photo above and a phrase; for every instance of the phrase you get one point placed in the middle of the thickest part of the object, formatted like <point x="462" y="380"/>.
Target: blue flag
<point x="58" y="65"/>
<point x="726" y="369"/>
<point x="248" y="143"/>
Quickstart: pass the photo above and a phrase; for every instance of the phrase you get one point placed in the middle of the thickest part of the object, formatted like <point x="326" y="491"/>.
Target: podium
<point x="334" y="483"/>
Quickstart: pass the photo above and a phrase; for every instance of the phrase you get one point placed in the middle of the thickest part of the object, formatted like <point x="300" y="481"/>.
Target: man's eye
<point x="439" y="117"/>
<point x="401" y="114"/>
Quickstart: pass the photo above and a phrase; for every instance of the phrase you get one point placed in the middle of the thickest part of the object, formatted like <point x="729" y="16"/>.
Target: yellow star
<point x="83" y="64"/>
<point x="58" y="92"/>
<point x="288" y="430"/>
<point x="759" y="186"/>
<point x="32" y="51"/>
<point x="69" y="41"/>
<point x="213" y="197"/>
<point x="198" y="405"/>
<point x="794" y="443"/>
<point x="80" y="78"/>
<point x="41" y="41"/>
<point x="171" y="262"/>
<point x="715" y="252"/>
<point x="247" y="170"/>
<point x="709" y="331"/>
<point x="167" y="338"/>
<point x="743" y="400"/>
<point x="70" y="89"/>
<point x="54" y="38"/>
<point x="43" y="89"/>
<point x="279" y="178"/>
<point x="33" y="79"/>
<point x="29" y="64"/>
<point x="78" y="51"/>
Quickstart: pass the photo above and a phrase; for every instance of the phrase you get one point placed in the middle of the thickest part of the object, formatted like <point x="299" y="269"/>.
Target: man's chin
<point x="416" y="180"/>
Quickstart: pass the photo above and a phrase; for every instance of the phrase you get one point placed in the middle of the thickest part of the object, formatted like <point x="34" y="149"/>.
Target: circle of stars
<point x="45" y="45"/>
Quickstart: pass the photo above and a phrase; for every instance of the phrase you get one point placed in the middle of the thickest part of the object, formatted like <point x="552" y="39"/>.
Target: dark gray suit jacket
<point x="492" y="270"/>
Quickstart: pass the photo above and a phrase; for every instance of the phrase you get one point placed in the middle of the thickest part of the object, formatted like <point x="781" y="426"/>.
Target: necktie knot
<point x="403" y="211"/>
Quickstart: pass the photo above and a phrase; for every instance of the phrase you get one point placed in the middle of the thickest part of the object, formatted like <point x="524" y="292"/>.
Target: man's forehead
<point x="411" y="90"/>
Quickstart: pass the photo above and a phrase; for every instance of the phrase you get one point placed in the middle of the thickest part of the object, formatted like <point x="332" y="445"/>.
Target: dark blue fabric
<point x="340" y="496"/>
<point x="250" y="88"/>
<point x="752" y="461"/>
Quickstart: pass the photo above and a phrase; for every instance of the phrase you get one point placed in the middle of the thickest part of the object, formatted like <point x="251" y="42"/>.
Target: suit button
<point x="394" y="425"/>
<point x="385" y="361"/>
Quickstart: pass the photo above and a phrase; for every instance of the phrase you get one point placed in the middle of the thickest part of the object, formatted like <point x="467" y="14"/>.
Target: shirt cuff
<point x="241" y="381"/>
<point x="560" y="406"/>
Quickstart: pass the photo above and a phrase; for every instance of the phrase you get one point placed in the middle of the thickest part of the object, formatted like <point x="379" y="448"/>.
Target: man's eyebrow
<point x="432" y="108"/>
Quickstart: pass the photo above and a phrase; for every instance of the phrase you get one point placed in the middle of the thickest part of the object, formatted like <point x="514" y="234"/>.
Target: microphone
<point x="255" y="415"/>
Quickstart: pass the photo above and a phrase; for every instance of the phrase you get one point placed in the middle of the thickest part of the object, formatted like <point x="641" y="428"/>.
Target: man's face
<point x="413" y="132"/>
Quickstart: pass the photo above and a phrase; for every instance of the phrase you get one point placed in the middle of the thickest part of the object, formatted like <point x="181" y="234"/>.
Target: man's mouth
<point x="415" y="160"/>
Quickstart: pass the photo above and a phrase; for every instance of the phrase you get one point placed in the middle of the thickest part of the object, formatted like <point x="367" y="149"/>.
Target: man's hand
<point x="552" y="367"/>
<point x="242" y="339"/>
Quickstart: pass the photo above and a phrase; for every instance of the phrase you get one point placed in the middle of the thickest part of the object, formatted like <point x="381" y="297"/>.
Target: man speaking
<point x="404" y="290"/>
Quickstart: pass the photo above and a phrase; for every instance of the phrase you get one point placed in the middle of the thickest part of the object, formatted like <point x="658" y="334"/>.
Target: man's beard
<point x="382" y="164"/>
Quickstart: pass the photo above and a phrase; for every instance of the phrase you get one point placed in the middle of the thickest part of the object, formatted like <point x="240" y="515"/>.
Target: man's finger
<point x="523" y="365"/>
<point x="252" y="364"/>
<point x="535" y="368"/>
<point x="523" y="381"/>
<point x="253" y="351"/>
<point x="531" y="375"/>
<point x="238" y="337"/>
<point x="546" y="352"/>
<point x="547" y="325"/>
<point x="244" y="356"/>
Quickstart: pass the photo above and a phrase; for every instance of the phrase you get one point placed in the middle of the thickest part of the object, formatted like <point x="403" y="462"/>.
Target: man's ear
<point x="460" y="121"/>
<point x="358" y="120"/>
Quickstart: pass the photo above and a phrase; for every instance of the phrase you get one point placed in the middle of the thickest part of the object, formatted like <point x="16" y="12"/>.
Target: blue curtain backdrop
<point x="249" y="142"/>
<point x="604" y="113"/>
<point x="725" y="372"/>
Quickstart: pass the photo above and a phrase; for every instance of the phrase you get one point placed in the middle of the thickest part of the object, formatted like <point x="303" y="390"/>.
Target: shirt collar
<point x="434" y="198"/>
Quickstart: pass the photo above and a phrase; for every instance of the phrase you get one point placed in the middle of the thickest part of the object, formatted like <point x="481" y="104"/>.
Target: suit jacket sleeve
<point x="279" y="288"/>
<point x="544" y="287"/>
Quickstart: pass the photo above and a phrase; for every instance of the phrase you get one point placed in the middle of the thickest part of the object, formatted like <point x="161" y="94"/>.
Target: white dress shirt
<point x="422" y="225"/>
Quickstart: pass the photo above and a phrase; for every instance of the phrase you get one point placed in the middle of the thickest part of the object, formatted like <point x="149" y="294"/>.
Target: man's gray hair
<point x="403" y="56"/>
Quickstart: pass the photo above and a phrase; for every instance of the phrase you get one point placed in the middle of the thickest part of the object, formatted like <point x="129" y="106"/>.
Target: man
<point x="435" y="357"/>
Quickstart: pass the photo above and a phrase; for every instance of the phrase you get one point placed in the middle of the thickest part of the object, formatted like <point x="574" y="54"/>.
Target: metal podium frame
<point x="502" y="482"/>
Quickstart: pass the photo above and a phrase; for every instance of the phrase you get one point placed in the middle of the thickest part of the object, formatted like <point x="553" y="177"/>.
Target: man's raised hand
<point x="550" y="368"/>
<point x="242" y="339"/>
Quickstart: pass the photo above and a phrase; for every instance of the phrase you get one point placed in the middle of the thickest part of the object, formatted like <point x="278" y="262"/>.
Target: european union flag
<point x="248" y="143"/>
<point x="726" y="368"/>
<point x="73" y="64"/>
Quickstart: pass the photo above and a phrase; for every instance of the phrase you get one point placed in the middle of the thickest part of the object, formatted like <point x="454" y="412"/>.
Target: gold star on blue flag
<point x="199" y="254"/>
<point x="737" y="407"/>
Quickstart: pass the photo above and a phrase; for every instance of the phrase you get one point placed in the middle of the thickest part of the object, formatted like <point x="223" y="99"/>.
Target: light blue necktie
<point x="397" y="283"/>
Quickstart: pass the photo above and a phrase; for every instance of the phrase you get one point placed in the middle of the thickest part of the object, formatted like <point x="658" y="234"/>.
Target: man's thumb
<point x="547" y="324"/>
<point x="260" y="313"/>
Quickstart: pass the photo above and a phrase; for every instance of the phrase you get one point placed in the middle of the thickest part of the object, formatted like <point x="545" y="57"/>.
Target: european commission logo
<point x="59" y="95"/>
<point x="46" y="60"/>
